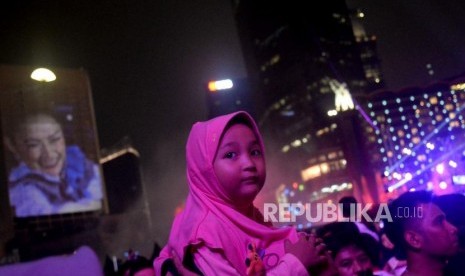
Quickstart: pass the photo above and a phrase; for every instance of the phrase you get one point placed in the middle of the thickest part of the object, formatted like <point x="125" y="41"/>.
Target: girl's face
<point x="239" y="165"/>
<point x="41" y="145"/>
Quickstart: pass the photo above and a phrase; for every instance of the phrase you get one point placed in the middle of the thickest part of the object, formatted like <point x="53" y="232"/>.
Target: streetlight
<point x="43" y="75"/>
<point x="214" y="86"/>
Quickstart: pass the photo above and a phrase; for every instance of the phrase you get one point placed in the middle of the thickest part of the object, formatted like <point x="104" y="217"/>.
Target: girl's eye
<point x="256" y="152"/>
<point x="230" y="155"/>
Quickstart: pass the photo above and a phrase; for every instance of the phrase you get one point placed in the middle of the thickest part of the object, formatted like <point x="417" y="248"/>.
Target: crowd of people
<point x="221" y="232"/>
<point x="431" y="244"/>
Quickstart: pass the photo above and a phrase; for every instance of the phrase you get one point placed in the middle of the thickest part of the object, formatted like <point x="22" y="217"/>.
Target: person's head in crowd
<point x="37" y="139"/>
<point x="354" y="253"/>
<point x="232" y="176"/>
<point x="138" y="266"/>
<point x="351" y="211"/>
<point x="347" y="202"/>
<point x="420" y="232"/>
<point x="453" y="205"/>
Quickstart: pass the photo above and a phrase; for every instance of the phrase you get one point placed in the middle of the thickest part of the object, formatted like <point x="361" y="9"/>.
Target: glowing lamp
<point x="43" y="75"/>
<point x="214" y="86"/>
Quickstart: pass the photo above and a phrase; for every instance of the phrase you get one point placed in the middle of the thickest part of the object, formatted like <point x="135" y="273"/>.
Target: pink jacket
<point x="207" y="221"/>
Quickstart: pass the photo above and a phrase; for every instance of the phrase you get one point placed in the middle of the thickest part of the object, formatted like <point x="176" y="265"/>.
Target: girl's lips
<point x="250" y="179"/>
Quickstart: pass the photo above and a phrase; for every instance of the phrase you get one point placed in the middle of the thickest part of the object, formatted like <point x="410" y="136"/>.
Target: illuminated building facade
<point x="418" y="135"/>
<point x="293" y="55"/>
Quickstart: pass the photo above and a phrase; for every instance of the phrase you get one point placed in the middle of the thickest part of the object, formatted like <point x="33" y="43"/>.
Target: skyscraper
<point x="298" y="59"/>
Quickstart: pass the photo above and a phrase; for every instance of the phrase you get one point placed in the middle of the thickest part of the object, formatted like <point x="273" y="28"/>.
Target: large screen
<point x="49" y="142"/>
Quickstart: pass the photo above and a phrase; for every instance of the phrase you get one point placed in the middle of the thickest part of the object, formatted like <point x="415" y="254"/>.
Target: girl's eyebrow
<point x="233" y="143"/>
<point x="228" y="144"/>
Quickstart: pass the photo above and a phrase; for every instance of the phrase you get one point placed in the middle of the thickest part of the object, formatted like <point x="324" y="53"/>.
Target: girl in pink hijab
<point x="220" y="232"/>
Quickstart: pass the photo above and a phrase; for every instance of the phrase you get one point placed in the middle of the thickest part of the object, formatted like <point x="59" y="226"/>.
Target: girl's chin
<point x="248" y="198"/>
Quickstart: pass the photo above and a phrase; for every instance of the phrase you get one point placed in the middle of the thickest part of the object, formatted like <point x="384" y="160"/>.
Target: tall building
<point x="367" y="45"/>
<point x="299" y="60"/>
<point x="127" y="201"/>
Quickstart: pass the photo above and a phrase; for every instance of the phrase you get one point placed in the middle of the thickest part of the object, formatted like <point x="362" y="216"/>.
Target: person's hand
<point x="308" y="249"/>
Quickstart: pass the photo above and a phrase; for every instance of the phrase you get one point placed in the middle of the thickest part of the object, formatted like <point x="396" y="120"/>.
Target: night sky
<point x="414" y="33"/>
<point x="148" y="62"/>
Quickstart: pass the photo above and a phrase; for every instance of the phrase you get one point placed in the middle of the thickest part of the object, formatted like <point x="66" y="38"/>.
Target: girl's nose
<point x="248" y="162"/>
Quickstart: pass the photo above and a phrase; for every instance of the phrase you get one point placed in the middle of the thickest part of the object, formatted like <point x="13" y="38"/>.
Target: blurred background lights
<point x="408" y="176"/>
<point x="429" y="186"/>
<point x="440" y="168"/>
<point x="443" y="185"/>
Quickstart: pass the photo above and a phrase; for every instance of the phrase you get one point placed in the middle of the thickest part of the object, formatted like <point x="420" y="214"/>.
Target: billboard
<point x="50" y="146"/>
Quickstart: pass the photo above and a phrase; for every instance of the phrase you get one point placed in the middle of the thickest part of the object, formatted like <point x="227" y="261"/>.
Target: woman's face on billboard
<point x="40" y="143"/>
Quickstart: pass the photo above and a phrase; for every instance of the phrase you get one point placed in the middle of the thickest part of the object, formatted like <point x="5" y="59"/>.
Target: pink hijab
<point x="207" y="220"/>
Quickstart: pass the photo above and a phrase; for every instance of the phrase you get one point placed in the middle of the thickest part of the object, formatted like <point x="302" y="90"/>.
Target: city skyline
<point x="147" y="61"/>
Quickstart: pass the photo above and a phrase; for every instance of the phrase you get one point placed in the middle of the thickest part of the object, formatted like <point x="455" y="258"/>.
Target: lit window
<point x="332" y="155"/>
<point x="275" y="59"/>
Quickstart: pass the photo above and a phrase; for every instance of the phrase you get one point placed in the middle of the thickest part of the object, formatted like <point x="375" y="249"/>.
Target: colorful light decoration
<point x="429" y="123"/>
